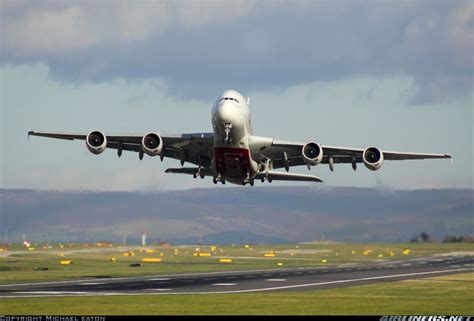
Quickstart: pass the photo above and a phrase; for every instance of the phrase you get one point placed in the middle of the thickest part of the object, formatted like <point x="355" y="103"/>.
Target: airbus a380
<point x="233" y="153"/>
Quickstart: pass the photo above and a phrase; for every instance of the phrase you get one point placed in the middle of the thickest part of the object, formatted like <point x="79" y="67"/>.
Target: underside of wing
<point x="285" y="154"/>
<point x="195" y="148"/>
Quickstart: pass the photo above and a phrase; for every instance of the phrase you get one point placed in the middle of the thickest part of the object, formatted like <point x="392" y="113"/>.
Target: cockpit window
<point x="229" y="98"/>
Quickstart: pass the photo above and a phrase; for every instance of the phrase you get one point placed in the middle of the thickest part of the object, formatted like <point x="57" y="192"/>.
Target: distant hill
<point x="237" y="215"/>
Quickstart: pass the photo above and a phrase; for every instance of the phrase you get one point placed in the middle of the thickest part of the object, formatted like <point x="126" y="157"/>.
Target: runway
<point x="296" y="279"/>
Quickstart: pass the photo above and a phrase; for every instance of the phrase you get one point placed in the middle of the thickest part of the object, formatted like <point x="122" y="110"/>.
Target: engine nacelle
<point x="152" y="144"/>
<point x="373" y="158"/>
<point x="96" y="142"/>
<point x="312" y="154"/>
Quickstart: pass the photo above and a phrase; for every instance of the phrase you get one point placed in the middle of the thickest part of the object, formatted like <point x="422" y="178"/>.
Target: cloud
<point x="198" y="48"/>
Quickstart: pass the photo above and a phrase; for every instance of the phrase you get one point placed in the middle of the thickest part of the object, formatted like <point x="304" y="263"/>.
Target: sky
<point x="396" y="75"/>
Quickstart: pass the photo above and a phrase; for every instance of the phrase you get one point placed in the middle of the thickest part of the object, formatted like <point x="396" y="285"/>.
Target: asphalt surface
<point x="299" y="279"/>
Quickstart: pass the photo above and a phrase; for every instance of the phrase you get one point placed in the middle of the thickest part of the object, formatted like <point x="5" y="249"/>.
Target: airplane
<point x="232" y="153"/>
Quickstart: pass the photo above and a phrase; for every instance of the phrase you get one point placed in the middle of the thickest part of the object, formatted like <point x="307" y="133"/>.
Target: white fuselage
<point x="232" y="131"/>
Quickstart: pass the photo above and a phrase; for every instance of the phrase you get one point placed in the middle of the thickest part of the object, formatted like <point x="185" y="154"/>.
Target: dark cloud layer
<point x="431" y="41"/>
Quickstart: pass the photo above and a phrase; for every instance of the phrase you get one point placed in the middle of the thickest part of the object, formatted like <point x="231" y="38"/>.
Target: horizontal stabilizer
<point x="190" y="171"/>
<point x="282" y="176"/>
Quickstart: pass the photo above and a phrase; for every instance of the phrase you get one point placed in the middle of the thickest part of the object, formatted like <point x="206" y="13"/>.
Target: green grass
<point x="93" y="262"/>
<point x="446" y="295"/>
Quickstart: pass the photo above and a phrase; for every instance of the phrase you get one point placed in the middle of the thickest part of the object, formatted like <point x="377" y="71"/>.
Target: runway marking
<point x="275" y="280"/>
<point x="267" y="275"/>
<point x="159" y="289"/>
<point x="250" y="276"/>
<point x="298" y="273"/>
<point x="91" y="283"/>
<point x="231" y="278"/>
<point x="131" y="278"/>
<point x="187" y="281"/>
<point x="52" y="292"/>
<point x="65" y="294"/>
<point x="160" y="279"/>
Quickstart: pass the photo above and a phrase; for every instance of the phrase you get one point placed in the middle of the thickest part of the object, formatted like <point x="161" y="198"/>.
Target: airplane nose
<point x="226" y="112"/>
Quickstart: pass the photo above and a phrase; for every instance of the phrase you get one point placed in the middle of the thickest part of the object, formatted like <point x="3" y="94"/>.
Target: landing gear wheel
<point x="195" y="175"/>
<point x="262" y="179"/>
<point x="214" y="180"/>
<point x="252" y="182"/>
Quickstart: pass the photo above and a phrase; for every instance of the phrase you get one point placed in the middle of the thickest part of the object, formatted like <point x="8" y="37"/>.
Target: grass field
<point x="18" y="264"/>
<point x="446" y="295"/>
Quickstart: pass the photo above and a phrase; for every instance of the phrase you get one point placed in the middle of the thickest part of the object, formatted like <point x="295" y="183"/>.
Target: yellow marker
<point x="324" y="261"/>
<point x="225" y="261"/>
<point x="380" y="255"/>
<point x="126" y="254"/>
<point x="269" y="254"/>
<point x="406" y="252"/>
<point x="353" y="252"/>
<point x="65" y="262"/>
<point x="203" y="254"/>
<point x="113" y="259"/>
<point x="392" y="254"/>
<point x="213" y="248"/>
<point x="150" y="251"/>
<point x="31" y="249"/>
<point x="279" y="264"/>
<point x="151" y="259"/>
<point x="247" y="246"/>
<point x="162" y="254"/>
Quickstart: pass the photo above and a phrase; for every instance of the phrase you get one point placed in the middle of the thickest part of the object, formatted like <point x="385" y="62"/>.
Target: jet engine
<point x="373" y="158"/>
<point x="152" y="144"/>
<point x="96" y="142"/>
<point x="312" y="154"/>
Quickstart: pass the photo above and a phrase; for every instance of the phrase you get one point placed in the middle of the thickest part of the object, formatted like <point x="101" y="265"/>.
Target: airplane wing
<point x="195" y="148"/>
<point x="284" y="154"/>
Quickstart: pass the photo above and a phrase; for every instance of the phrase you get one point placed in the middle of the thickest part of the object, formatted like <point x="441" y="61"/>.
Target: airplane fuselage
<point x="232" y="158"/>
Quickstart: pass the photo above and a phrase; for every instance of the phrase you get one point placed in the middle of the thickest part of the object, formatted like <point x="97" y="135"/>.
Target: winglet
<point x="31" y="132"/>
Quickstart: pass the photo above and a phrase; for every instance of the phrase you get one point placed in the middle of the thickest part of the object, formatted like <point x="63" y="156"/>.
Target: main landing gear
<point x="248" y="180"/>
<point x="219" y="178"/>
<point x="199" y="173"/>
